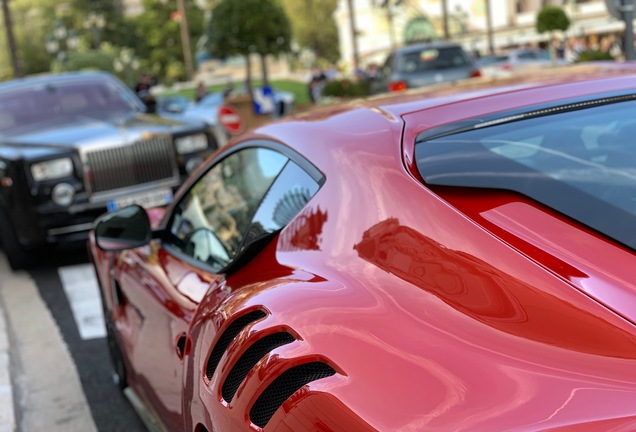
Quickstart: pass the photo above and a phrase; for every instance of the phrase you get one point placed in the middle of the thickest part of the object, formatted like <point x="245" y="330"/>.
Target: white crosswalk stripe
<point x="80" y="285"/>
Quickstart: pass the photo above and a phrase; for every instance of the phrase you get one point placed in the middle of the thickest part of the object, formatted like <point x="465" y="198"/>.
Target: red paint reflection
<point x="490" y="295"/>
<point x="304" y="233"/>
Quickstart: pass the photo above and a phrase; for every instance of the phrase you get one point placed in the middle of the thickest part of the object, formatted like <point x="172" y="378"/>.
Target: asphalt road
<point x="72" y="312"/>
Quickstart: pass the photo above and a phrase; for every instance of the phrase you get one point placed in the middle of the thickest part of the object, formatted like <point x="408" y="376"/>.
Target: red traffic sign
<point x="230" y="119"/>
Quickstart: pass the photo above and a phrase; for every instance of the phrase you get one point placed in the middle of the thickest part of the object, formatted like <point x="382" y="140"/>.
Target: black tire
<point x="15" y="252"/>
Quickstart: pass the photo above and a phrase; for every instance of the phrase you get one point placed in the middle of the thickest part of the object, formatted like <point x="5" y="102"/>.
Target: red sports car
<point x="458" y="259"/>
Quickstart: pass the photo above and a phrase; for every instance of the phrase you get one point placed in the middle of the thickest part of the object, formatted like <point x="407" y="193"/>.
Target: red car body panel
<point x="438" y="308"/>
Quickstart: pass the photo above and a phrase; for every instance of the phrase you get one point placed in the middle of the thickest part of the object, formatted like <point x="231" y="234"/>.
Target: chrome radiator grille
<point x="144" y="161"/>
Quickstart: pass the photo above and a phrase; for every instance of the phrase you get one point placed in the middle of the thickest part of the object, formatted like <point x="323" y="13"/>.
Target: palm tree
<point x="491" y="45"/>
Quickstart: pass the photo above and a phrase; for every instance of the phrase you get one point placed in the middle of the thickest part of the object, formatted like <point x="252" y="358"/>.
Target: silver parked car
<point x="425" y="64"/>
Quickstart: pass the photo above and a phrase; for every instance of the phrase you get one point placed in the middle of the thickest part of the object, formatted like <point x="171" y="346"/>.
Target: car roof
<point x="551" y="84"/>
<point x="562" y="82"/>
<point x="331" y="127"/>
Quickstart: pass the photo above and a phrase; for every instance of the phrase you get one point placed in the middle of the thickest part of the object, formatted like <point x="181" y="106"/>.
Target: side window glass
<point x="210" y="222"/>
<point x="291" y="191"/>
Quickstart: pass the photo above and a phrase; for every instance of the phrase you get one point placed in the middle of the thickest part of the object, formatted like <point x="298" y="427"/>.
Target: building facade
<point x="384" y="24"/>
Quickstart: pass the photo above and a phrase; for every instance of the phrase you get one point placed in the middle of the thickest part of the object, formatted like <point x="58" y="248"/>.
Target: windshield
<point x="212" y="99"/>
<point x="581" y="163"/>
<point x="25" y="107"/>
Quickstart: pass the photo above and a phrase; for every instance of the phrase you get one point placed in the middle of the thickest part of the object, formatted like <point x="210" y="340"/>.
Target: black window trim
<point x="520" y="114"/>
<point x="292" y="155"/>
<point x="620" y="221"/>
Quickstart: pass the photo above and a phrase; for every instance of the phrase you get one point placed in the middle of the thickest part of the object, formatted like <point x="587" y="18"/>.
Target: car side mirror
<point x="123" y="229"/>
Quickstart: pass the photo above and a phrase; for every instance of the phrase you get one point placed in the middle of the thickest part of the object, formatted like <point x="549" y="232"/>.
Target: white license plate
<point x="147" y="200"/>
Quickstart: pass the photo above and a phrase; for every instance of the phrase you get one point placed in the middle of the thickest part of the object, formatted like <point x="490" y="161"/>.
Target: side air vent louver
<point x="283" y="387"/>
<point x="227" y="337"/>
<point x="249" y="359"/>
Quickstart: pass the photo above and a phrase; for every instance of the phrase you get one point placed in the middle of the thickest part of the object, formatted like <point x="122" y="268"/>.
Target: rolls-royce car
<point x="454" y="259"/>
<point x="73" y="145"/>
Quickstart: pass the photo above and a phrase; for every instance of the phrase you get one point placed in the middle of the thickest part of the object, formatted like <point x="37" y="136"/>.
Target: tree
<point x="158" y="36"/>
<point x="114" y="30"/>
<point x="32" y="19"/>
<point x="249" y="26"/>
<point x="313" y="27"/>
<point x="13" y="50"/>
<point x="550" y="19"/>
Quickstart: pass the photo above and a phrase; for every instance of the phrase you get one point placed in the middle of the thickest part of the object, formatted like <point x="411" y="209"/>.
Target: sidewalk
<point x="39" y="386"/>
<point x="7" y="415"/>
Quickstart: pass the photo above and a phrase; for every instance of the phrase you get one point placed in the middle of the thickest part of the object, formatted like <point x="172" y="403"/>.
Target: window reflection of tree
<point x="290" y="205"/>
<point x="216" y="198"/>
<point x="230" y="193"/>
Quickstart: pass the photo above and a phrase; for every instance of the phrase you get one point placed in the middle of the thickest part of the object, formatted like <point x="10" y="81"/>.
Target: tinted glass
<point x="581" y="163"/>
<point x="291" y="191"/>
<point x="97" y="98"/>
<point x="486" y="61"/>
<point x="530" y="55"/>
<point x="431" y="59"/>
<point x="209" y="224"/>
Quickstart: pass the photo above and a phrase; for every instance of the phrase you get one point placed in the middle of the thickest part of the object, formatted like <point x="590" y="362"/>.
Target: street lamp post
<point x="61" y="41"/>
<point x="624" y="10"/>
<point x="627" y="8"/>
<point x="185" y="39"/>
<point x="95" y="22"/>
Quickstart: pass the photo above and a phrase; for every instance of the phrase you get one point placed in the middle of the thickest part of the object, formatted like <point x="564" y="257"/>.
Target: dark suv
<point x="425" y="64"/>
<point x="75" y="145"/>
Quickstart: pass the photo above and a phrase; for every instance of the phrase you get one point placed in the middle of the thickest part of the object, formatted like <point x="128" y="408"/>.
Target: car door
<point x="161" y="284"/>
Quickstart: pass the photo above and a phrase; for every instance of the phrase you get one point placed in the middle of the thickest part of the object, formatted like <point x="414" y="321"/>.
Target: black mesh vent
<point x="249" y="359"/>
<point x="283" y="387"/>
<point x="227" y="337"/>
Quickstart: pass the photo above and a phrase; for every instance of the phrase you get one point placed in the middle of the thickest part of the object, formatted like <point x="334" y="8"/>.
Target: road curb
<point x="7" y="407"/>
<point x="45" y="386"/>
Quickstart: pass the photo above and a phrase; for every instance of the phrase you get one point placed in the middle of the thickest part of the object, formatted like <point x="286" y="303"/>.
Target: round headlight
<point x="63" y="194"/>
<point x="52" y="169"/>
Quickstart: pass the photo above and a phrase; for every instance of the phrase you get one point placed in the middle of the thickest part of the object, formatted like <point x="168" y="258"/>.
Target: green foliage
<point x="159" y="39"/>
<point x="115" y="30"/>
<point x="246" y="26"/>
<point x="593" y="55"/>
<point x="419" y="29"/>
<point x="552" y="18"/>
<point x="346" y="88"/>
<point x="32" y="20"/>
<point x="90" y="60"/>
<point x="314" y="27"/>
